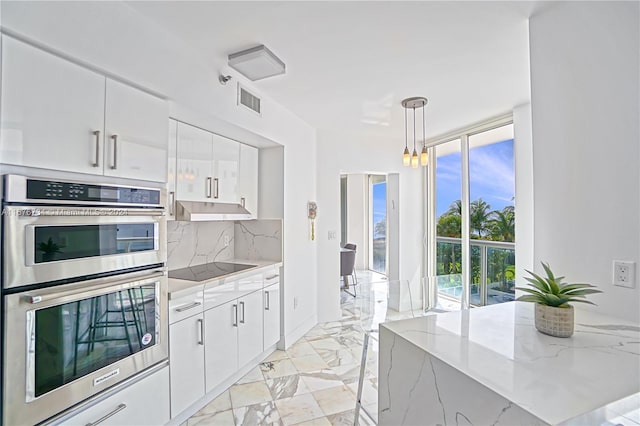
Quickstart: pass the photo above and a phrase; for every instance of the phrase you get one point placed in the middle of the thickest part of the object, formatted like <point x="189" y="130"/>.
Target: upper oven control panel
<point x="38" y="190"/>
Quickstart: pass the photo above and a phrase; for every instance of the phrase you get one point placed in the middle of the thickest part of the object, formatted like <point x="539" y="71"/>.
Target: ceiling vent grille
<point x="249" y="100"/>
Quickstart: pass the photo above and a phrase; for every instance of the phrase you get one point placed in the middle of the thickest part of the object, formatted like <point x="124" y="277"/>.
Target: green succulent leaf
<point x="552" y="291"/>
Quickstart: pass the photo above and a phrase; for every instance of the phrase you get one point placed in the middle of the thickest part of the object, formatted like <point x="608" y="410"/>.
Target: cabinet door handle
<point x="208" y="187"/>
<point x="187" y="307"/>
<point x="242" y="306"/>
<point x="242" y="201"/>
<point x="96" y="133"/>
<point x="115" y="151"/>
<point x="201" y="332"/>
<point x="266" y="303"/>
<point x="119" y="408"/>
<point x="217" y="193"/>
<point x="172" y="202"/>
<point x="235" y="315"/>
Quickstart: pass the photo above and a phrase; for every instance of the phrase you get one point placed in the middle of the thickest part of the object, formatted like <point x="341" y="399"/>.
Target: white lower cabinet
<point x="221" y="336"/>
<point x="250" y="327"/>
<point x="186" y="352"/>
<point x="271" y="315"/>
<point x="217" y="332"/>
<point x="143" y="403"/>
<point x="233" y="337"/>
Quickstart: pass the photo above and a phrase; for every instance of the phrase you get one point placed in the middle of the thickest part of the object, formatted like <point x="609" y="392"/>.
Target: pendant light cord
<point x="406" y="136"/>
<point x="424" y="125"/>
<point x="414" y="129"/>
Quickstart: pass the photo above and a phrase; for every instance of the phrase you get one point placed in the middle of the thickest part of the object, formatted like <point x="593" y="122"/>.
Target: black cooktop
<point x="208" y="271"/>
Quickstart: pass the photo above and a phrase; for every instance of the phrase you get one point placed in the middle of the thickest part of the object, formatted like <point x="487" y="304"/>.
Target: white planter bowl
<point x="557" y="322"/>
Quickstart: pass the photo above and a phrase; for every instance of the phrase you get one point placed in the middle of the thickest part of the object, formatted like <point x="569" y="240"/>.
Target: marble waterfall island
<point x="490" y="366"/>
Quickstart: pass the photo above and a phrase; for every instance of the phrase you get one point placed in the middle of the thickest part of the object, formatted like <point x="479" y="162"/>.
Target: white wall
<point x="357" y="212"/>
<point x="116" y="39"/>
<point x="585" y="108"/>
<point x="339" y="152"/>
<point x="523" y="155"/>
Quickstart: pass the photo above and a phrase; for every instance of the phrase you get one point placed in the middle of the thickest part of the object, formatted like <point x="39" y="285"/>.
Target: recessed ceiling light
<point x="256" y="63"/>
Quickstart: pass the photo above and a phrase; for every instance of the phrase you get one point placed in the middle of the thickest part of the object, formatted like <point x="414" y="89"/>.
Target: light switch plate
<point x="624" y="273"/>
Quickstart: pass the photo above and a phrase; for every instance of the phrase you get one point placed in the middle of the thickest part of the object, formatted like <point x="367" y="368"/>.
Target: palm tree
<point x="502" y="224"/>
<point x="455" y="209"/>
<point x="479" y="217"/>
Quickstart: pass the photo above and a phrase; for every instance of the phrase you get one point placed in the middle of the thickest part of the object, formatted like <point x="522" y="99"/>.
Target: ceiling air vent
<point x="248" y="99"/>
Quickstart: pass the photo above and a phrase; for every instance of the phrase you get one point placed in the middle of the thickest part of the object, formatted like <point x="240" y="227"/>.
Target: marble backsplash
<point x="258" y="239"/>
<point x="195" y="243"/>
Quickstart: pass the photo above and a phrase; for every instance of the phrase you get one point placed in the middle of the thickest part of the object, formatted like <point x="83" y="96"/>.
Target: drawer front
<point x="143" y="403"/>
<point x="186" y="306"/>
<point x="271" y="276"/>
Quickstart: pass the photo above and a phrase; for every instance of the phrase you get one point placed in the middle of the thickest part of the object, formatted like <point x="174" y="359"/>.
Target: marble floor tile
<point x="342" y="419"/>
<point x="287" y="387"/>
<point x="280" y="368"/>
<point x="265" y="413"/>
<point x="255" y="375"/>
<point x="223" y="418"/>
<point x="321" y="421"/>
<point x="335" y="400"/>
<point x="347" y="373"/>
<point x="298" y="409"/>
<point x="369" y="392"/>
<point x="323" y="379"/>
<point x="277" y="355"/>
<point x="336" y="358"/>
<point x="308" y="363"/>
<point x="221" y="403"/>
<point x="300" y="348"/>
<point x="249" y="394"/>
<point x="327" y="343"/>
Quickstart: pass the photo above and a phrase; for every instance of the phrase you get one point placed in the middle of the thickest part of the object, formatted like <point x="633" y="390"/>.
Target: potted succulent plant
<point x="553" y="313"/>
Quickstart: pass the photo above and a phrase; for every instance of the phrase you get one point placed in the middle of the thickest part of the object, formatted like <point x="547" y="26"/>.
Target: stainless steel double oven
<point x="84" y="291"/>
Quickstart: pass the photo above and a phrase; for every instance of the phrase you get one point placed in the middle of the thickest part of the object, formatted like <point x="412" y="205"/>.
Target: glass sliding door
<point x="492" y="215"/>
<point x="448" y="219"/>
<point x="378" y="223"/>
<point x="470" y="213"/>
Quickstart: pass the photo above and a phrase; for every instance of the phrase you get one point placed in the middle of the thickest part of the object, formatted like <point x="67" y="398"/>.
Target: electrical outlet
<point x="331" y="235"/>
<point x="226" y="240"/>
<point x="624" y="274"/>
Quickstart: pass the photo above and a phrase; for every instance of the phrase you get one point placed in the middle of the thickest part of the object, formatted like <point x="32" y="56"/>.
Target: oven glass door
<point x="74" y="339"/>
<point x="67" y="242"/>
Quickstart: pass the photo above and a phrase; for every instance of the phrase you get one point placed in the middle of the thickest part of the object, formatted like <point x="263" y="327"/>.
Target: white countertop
<point x="179" y="288"/>
<point x="555" y="379"/>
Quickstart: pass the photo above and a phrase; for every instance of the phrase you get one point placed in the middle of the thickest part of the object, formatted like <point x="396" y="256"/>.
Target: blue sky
<point x="491" y="172"/>
<point x="379" y="202"/>
<point x="492" y="178"/>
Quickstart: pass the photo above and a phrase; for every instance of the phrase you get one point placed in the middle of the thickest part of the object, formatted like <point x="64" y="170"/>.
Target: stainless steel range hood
<point x="194" y="211"/>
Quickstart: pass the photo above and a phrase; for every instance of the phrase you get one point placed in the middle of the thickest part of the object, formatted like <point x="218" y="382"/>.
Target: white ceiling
<point x="349" y="64"/>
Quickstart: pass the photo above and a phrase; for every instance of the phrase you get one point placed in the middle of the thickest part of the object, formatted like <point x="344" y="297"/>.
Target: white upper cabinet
<point x="195" y="158"/>
<point x="135" y="134"/>
<point x="248" y="179"/>
<point x="226" y="156"/>
<point x="50" y="111"/>
<point x="58" y="115"/>
<point x="212" y="168"/>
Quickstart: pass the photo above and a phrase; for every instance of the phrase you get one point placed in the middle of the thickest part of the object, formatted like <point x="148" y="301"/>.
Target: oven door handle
<point x="120" y="284"/>
<point x="32" y="211"/>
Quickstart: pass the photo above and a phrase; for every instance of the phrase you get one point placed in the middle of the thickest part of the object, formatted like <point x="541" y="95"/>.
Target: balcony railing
<point x="492" y="270"/>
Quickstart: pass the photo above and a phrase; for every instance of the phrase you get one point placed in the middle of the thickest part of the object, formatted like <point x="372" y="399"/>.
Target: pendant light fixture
<point x="413" y="160"/>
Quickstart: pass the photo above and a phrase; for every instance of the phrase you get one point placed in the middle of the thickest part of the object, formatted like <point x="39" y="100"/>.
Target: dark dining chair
<point x="350" y="246"/>
<point x="347" y="268"/>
